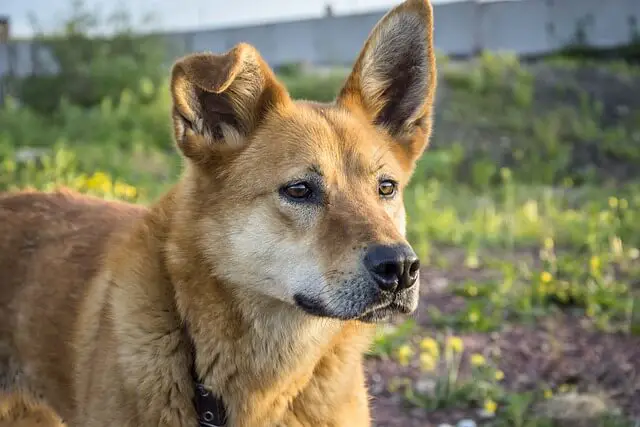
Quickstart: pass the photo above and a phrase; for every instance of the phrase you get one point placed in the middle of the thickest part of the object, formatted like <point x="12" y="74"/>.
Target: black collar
<point x="210" y="408"/>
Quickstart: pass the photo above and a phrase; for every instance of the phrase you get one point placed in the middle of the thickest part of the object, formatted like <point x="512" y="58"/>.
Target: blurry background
<point x="524" y="210"/>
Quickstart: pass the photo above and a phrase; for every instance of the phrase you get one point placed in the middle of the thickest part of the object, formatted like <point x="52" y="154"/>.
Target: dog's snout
<point x="393" y="267"/>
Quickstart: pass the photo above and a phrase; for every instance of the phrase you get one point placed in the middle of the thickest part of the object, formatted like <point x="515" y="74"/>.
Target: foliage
<point x="83" y="69"/>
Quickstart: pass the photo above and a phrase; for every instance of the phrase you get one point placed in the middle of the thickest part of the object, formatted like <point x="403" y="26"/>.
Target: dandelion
<point x="548" y="394"/>
<point x="124" y="190"/>
<point x="624" y="204"/>
<point x="499" y="375"/>
<point x="616" y="246"/>
<point x="530" y="210"/>
<point x="404" y="354"/>
<point x="99" y="181"/>
<point x="474" y="317"/>
<point x="613" y="202"/>
<point x="594" y="263"/>
<point x="472" y="261"/>
<point x="490" y="406"/>
<point x="548" y="243"/>
<point x="546" y="277"/>
<point x="455" y="344"/>
<point x="427" y="362"/>
<point x="505" y="173"/>
<point x="430" y="346"/>
<point x="477" y="359"/>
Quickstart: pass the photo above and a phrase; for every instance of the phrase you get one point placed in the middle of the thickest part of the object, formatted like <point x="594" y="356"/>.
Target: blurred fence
<point x="526" y="27"/>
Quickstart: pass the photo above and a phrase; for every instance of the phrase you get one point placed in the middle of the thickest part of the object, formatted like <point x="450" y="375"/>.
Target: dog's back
<point x="50" y="246"/>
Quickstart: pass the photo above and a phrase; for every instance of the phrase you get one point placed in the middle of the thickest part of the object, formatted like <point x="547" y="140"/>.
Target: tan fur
<point x="99" y="301"/>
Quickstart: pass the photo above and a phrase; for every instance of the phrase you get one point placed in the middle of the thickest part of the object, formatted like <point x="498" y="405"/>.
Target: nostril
<point x="414" y="267"/>
<point x="388" y="270"/>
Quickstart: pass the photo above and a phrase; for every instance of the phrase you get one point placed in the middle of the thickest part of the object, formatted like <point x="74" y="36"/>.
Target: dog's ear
<point x="219" y="100"/>
<point x="394" y="78"/>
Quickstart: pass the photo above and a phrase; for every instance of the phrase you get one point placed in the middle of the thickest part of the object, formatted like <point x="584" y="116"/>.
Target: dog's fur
<point x="100" y="301"/>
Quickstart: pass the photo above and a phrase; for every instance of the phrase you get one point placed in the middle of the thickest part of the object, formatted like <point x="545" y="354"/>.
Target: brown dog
<point x="265" y="267"/>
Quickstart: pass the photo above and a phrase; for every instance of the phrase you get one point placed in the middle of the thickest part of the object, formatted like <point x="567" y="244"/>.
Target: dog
<point x="257" y="279"/>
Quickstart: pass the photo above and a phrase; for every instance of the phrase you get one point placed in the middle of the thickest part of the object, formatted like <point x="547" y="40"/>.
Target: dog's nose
<point x="393" y="267"/>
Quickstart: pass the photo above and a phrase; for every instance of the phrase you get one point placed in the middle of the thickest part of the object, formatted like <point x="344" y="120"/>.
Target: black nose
<point x="392" y="267"/>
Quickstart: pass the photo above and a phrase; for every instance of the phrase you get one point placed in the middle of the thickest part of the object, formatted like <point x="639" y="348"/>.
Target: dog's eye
<point x="387" y="188"/>
<point x="298" y="191"/>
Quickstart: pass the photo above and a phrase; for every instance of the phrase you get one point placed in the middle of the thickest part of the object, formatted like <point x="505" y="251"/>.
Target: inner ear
<point x="212" y="113"/>
<point x="395" y="74"/>
<point x="393" y="80"/>
<point x="219" y="100"/>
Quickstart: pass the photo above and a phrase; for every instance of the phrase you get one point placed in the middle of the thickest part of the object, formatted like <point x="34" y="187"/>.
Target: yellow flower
<point x="546" y="277"/>
<point x="455" y="344"/>
<point x="477" y="359"/>
<point x="548" y="394"/>
<point x="563" y="388"/>
<point x="490" y="406"/>
<point x="634" y="253"/>
<point x="594" y="263"/>
<point x="404" y="353"/>
<point x="430" y="346"/>
<point x="427" y="362"/>
<point x="624" y="204"/>
<point x="99" y="181"/>
<point x="616" y="246"/>
<point x="548" y="243"/>
<point x="499" y="375"/>
<point x="531" y="210"/>
<point x="474" y="317"/>
<point x="472" y="261"/>
<point x="124" y="190"/>
<point x="472" y="291"/>
<point x="613" y="202"/>
<point x="505" y="173"/>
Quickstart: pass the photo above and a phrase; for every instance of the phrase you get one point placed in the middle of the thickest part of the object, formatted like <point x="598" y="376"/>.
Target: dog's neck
<point x="257" y="353"/>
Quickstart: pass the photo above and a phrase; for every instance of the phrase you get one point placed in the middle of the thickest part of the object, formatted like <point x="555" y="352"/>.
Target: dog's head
<point x="303" y="202"/>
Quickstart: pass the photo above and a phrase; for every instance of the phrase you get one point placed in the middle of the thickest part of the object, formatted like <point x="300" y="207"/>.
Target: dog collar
<point x="210" y="408"/>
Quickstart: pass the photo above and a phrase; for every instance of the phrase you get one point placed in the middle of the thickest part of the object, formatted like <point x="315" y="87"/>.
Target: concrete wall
<point x="462" y="28"/>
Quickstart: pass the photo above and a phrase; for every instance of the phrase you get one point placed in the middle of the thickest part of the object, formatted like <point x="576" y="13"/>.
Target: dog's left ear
<point x="394" y="78"/>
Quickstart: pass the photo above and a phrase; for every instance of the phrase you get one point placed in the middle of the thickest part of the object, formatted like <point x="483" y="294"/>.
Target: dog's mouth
<point x="381" y="312"/>
<point x="385" y="312"/>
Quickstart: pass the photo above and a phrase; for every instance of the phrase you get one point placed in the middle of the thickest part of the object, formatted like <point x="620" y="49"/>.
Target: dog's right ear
<point x="219" y="100"/>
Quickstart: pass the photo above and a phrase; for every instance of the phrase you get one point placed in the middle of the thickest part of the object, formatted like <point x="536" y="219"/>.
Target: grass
<point x="526" y="207"/>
